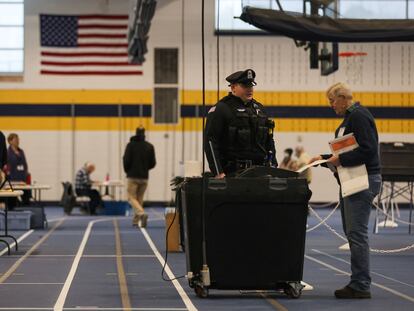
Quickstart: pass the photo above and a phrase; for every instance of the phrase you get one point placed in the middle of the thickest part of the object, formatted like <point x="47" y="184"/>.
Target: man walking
<point x="139" y="158"/>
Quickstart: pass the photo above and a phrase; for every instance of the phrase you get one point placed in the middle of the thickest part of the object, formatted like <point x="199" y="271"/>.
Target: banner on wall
<point x="85" y="45"/>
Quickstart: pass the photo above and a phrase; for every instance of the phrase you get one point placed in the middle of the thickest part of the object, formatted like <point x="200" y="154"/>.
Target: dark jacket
<point x="139" y="157"/>
<point x="359" y="120"/>
<point x="3" y="150"/>
<point x="238" y="131"/>
<point x="17" y="165"/>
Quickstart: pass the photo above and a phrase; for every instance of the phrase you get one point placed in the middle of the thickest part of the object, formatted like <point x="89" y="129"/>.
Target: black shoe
<point x="144" y="219"/>
<point x="350" y="293"/>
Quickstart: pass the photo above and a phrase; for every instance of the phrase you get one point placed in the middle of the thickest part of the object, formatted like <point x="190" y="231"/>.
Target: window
<point x="165" y="105"/>
<point x="411" y="9"/>
<point x="373" y="9"/>
<point x="12" y="36"/>
<point x="166" y="66"/>
<point x="165" y="108"/>
<point x="227" y="11"/>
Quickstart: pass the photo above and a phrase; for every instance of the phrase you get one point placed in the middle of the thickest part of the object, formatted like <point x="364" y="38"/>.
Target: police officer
<point x="238" y="132"/>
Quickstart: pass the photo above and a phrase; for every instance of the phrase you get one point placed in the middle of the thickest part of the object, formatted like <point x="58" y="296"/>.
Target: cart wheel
<point x="201" y="292"/>
<point x="293" y="290"/>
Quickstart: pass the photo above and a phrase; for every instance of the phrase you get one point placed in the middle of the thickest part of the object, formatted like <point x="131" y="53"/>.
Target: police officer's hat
<point x="244" y="77"/>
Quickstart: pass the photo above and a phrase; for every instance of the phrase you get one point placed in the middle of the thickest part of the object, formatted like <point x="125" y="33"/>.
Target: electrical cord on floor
<point x="166" y="252"/>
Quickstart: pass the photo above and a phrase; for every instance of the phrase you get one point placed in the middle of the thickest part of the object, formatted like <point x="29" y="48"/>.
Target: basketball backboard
<point x="325" y="53"/>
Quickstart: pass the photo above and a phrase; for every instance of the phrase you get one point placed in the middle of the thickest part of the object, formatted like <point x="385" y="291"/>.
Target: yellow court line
<point x="123" y="286"/>
<point x="274" y="303"/>
<point x="16" y="265"/>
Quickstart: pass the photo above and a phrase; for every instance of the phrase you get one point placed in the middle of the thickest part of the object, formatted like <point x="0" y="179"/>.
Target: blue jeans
<point x="355" y="211"/>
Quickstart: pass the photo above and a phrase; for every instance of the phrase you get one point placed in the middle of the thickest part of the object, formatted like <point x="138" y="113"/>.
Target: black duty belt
<point x="239" y="164"/>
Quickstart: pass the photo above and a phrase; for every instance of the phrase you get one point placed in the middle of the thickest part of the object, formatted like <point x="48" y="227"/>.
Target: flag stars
<point x="59" y="31"/>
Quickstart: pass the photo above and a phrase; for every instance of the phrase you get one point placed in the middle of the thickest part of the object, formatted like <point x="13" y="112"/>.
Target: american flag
<point x="85" y="45"/>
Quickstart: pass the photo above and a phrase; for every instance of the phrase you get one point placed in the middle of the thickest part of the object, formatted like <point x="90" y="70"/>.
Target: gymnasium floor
<point x="103" y="263"/>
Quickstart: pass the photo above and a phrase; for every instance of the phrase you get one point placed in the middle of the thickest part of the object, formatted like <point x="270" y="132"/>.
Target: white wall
<point x="279" y="65"/>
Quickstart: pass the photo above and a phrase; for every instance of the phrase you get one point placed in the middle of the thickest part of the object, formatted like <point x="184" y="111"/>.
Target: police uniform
<point x="238" y="134"/>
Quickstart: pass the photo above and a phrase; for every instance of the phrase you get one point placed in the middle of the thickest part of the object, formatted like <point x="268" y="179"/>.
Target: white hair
<point x="340" y="89"/>
<point x="88" y="164"/>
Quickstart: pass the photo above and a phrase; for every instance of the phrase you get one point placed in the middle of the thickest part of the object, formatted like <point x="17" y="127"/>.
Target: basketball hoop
<point x="354" y="62"/>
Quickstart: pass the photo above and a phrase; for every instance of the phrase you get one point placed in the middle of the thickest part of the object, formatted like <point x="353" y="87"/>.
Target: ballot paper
<point x="343" y="144"/>
<point x="353" y="179"/>
<point x="303" y="168"/>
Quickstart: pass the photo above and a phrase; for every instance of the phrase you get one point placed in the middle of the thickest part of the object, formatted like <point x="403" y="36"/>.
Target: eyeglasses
<point x="334" y="99"/>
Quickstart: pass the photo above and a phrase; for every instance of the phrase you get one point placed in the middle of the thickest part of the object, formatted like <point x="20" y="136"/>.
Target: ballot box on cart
<point x="254" y="232"/>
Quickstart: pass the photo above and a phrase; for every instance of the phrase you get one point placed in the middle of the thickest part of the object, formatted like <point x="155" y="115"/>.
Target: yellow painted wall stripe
<point x="186" y="124"/>
<point x="75" y="96"/>
<point x="191" y="97"/>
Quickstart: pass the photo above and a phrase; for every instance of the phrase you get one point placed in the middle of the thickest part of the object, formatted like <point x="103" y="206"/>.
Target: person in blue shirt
<point x="17" y="167"/>
<point x="356" y="208"/>
<point x="3" y="151"/>
<point x="16" y="159"/>
<point x="3" y="158"/>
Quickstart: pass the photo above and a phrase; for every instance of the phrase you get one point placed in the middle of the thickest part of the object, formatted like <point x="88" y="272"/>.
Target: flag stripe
<point x="85" y="59"/>
<point x="102" y="31"/>
<point x="85" y="49"/>
<point x="57" y="72"/>
<point x="101" y="41"/>
<point x="100" y="16"/>
<point x="103" y="45"/>
<point x="86" y="63"/>
<point x="99" y="21"/>
<point x="90" y="68"/>
<point x="97" y="35"/>
<point x="86" y="54"/>
<point x="103" y="26"/>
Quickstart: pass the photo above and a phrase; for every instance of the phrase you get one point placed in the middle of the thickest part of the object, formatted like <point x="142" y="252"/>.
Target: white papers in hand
<point x="353" y="179"/>
<point x="310" y="165"/>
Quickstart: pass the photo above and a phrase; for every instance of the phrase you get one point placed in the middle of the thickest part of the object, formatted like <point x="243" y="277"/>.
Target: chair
<point x="70" y="200"/>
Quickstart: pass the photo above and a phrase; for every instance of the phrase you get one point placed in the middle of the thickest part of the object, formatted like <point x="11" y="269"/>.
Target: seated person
<point x="83" y="187"/>
<point x="302" y="159"/>
<point x="288" y="163"/>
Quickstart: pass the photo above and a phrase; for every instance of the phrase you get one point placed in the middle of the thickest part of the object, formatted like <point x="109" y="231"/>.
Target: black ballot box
<point x="255" y="230"/>
<point x="397" y="161"/>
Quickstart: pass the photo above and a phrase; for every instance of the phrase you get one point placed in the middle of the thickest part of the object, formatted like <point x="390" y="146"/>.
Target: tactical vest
<point x="248" y="130"/>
